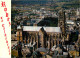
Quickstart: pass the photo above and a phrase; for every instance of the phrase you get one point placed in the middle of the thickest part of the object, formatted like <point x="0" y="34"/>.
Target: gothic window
<point x="53" y="42"/>
<point x="57" y="36"/>
<point x="60" y="23"/>
<point x="53" y="36"/>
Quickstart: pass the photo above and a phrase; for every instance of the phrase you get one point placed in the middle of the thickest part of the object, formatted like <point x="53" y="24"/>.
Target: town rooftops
<point x="37" y="28"/>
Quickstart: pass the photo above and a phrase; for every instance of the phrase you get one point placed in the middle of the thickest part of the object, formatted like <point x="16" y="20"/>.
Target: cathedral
<point x="41" y="36"/>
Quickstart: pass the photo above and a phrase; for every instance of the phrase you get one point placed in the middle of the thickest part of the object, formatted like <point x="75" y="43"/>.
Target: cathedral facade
<point x="40" y="36"/>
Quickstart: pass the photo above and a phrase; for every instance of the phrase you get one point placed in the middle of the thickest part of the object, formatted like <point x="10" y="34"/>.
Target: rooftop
<point x="37" y="28"/>
<point x="70" y="21"/>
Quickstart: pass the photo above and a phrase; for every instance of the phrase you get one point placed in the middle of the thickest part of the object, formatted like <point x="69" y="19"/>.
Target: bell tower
<point x="61" y="21"/>
<point x="62" y="25"/>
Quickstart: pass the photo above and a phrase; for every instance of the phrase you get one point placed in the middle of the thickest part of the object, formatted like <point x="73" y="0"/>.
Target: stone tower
<point x="19" y="34"/>
<point x="61" y="23"/>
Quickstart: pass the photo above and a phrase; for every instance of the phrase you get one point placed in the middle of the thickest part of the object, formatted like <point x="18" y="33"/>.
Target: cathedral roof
<point x="37" y="28"/>
<point x="19" y="27"/>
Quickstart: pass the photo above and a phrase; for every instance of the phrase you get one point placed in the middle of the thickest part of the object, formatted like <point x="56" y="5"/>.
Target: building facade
<point x="39" y="36"/>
